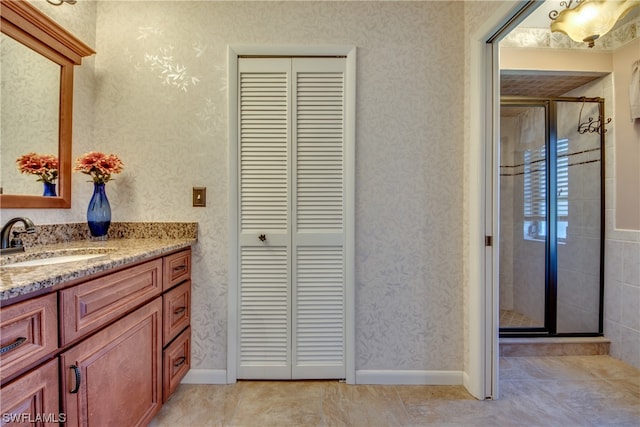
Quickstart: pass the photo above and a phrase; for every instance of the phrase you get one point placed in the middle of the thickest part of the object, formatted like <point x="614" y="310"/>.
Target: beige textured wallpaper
<point x="161" y="91"/>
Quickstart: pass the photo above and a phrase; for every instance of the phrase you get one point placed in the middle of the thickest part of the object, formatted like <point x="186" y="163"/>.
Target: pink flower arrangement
<point x="43" y="165"/>
<point x="99" y="166"/>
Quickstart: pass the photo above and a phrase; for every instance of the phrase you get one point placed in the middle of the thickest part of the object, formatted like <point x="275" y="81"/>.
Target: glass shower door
<point x="551" y="217"/>
<point x="579" y="222"/>
<point x="523" y="216"/>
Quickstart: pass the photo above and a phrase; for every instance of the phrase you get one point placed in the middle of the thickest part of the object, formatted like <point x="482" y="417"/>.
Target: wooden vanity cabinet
<point x="117" y="376"/>
<point x="106" y="352"/>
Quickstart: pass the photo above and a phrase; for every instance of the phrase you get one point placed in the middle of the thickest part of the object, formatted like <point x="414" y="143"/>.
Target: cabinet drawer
<point x="90" y="305"/>
<point x="177" y="311"/>
<point x="177" y="362"/>
<point x="32" y="397"/>
<point x="28" y="333"/>
<point x="177" y="268"/>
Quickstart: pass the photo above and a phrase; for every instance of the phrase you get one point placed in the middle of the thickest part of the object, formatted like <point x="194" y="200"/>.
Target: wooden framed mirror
<point x="27" y="31"/>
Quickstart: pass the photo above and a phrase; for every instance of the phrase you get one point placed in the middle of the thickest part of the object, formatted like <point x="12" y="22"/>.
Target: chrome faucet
<point x="13" y="245"/>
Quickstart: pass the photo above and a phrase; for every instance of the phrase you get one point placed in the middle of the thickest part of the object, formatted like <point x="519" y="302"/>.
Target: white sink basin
<point x="59" y="259"/>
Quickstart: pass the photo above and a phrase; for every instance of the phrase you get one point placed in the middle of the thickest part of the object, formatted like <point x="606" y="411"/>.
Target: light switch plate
<point x="199" y="197"/>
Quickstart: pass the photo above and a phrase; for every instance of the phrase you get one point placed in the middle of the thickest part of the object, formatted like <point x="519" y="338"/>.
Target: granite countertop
<point x="21" y="281"/>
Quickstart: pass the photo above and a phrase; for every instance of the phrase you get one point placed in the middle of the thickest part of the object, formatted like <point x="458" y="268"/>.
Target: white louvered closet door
<point x="291" y="313"/>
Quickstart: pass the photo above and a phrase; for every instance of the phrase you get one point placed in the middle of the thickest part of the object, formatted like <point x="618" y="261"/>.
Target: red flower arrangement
<point x="99" y="166"/>
<point x="43" y="165"/>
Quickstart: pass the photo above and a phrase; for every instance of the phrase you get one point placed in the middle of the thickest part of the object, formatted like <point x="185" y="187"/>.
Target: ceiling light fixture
<point x="590" y="19"/>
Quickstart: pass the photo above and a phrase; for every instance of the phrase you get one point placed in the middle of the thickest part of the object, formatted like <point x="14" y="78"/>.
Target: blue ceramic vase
<point x="99" y="211"/>
<point x="49" y="189"/>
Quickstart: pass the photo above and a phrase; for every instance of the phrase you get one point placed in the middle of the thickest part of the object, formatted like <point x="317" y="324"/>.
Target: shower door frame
<point x="551" y="242"/>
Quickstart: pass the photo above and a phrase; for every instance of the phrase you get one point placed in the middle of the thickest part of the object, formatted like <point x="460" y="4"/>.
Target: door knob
<point x="262" y="237"/>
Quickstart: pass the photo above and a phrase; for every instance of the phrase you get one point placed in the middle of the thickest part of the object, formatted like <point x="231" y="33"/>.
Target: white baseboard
<point x="409" y="377"/>
<point x="466" y="380"/>
<point x="205" y="376"/>
<point x="391" y="377"/>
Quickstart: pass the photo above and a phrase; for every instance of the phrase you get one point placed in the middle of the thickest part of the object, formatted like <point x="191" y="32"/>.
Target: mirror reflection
<point x="37" y="61"/>
<point x="29" y="94"/>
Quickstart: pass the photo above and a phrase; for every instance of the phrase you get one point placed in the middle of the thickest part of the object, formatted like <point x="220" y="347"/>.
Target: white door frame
<point x="481" y="370"/>
<point x="233" y="52"/>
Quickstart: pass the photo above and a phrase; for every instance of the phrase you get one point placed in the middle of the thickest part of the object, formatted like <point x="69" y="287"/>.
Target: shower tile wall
<point x="622" y="295"/>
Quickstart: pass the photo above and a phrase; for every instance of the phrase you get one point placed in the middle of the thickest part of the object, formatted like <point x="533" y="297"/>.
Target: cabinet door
<point x="32" y="399"/>
<point x="114" y="378"/>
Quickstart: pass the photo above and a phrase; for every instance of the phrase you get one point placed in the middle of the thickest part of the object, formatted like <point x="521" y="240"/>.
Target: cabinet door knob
<point x="76" y="371"/>
<point x="262" y="237"/>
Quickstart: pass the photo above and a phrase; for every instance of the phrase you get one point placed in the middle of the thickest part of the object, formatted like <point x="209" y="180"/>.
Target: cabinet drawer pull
<point x="181" y="361"/>
<point x="76" y="371"/>
<point x="179" y="310"/>
<point x="17" y="343"/>
<point x="179" y="268"/>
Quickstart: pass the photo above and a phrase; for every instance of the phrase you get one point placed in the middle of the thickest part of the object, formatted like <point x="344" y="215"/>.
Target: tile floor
<point x="562" y="391"/>
<point x="513" y="319"/>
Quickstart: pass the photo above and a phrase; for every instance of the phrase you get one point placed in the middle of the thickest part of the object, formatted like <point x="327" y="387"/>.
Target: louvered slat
<point x="319" y="313"/>
<point x="264" y="306"/>
<point x="264" y="130"/>
<point x="319" y="148"/>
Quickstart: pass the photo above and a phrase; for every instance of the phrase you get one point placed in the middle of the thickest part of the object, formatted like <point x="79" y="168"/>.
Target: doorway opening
<point x="551" y="216"/>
